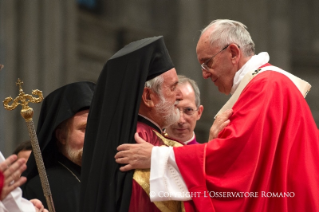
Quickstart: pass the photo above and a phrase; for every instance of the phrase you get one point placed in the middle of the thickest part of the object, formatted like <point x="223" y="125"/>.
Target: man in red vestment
<point x="266" y="158"/>
<point x="157" y="111"/>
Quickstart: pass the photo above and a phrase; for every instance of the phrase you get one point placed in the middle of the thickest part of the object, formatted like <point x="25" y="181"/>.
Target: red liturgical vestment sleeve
<point x="266" y="159"/>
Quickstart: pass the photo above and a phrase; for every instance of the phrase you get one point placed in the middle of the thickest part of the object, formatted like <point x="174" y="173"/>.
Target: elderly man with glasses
<point x="266" y="159"/>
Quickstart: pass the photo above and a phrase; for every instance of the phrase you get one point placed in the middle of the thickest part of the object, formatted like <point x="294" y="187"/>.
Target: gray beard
<point x="74" y="155"/>
<point x="168" y="112"/>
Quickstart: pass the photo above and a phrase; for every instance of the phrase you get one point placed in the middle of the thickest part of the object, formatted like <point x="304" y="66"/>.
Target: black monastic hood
<point x="58" y="106"/>
<point x="112" y="121"/>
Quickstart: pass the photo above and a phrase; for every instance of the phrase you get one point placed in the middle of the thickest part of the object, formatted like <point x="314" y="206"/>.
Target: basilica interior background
<point x="49" y="43"/>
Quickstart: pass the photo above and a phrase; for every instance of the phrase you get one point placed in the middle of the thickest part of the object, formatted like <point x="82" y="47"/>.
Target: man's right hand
<point x="221" y="121"/>
<point x="135" y="156"/>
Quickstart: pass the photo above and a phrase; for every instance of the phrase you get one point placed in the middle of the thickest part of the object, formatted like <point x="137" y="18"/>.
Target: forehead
<point x="170" y="77"/>
<point x="187" y="92"/>
<point x="204" y="48"/>
<point x="80" y="116"/>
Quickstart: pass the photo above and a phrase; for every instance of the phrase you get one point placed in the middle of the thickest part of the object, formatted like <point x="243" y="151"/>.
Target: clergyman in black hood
<point x="61" y="129"/>
<point x="116" y="114"/>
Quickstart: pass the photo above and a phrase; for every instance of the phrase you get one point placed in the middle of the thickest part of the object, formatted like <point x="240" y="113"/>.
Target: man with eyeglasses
<point x="191" y="111"/>
<point x="266" y="159"/>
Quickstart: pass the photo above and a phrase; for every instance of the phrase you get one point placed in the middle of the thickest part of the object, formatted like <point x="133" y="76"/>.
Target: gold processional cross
<point x="27" y="113"/>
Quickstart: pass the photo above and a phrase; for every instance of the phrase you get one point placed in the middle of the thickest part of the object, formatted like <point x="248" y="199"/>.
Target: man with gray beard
<point x="158" y="110"/>
<point x="136" y="92"/>
<point x="61" y="129"/>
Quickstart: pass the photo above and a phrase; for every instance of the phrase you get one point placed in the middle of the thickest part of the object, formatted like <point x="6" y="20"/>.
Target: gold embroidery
<point x="167" y="141"/>
<point x="142" y="177"/>
<point x="256" y="71"/>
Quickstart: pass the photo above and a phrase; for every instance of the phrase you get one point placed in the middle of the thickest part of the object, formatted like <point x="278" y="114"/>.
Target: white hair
<point x="155" y="84"/>
<point x="228" y="31"/>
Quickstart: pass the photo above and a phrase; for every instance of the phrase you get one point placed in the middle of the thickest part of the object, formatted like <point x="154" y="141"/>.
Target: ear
<point x="60" y="136"/>
<point x="235" y="52"/>
<point x="148" y="97"/>
<point x="200" y="111"/>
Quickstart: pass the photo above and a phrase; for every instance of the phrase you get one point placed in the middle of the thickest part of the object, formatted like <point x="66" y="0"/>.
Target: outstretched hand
<point x="135" y="156"/>
<point x="221" y="121"/>
<point x="12" y="170"/>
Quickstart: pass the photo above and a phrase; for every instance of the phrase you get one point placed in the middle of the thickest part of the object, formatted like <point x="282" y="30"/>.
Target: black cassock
<point x="64" y="178"/>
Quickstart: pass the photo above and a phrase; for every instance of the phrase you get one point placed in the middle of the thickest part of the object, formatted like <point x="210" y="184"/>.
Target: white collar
<point x="186" y="142"/>
<point x="252" y="64"/>
<point x="152" y="122"/>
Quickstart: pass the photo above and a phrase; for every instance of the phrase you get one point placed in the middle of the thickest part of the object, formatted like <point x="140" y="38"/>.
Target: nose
<point x="179" y="95"/>
<point x="206" y="74"/>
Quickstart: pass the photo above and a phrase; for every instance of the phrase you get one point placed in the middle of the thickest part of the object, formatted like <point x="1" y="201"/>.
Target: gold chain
<point x="69" y="171"/>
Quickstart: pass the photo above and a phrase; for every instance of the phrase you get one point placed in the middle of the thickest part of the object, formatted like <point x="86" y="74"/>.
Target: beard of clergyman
<point x="74" y="155"/>
<point x="167" y="111"/>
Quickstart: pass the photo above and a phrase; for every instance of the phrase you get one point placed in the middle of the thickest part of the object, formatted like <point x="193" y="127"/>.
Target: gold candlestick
<point x="27" y="113"/>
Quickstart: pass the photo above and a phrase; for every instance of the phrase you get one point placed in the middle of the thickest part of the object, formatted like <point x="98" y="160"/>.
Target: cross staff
<point x="27" y="113"/>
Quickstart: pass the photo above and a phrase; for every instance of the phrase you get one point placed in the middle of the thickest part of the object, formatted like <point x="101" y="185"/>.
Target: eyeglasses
<point x="187" y="110"/>
<point x="204" y="64"/>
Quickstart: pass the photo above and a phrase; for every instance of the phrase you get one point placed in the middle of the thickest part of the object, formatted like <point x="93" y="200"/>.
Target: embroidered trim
<point x="167" y="141"/>
<point x="142" y="177"/>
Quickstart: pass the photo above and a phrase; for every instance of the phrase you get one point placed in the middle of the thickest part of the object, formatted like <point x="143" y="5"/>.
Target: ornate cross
<point x="23" y="100"/>
<point x="27" y="113"/>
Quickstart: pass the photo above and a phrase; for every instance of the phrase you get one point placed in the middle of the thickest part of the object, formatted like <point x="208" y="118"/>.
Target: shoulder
<point x="271" y="80"/>
<point x="270" y="76"/>
<point x="53" y="173"/>
<point x="147" y="133"/>
<point x="144" y="129"/>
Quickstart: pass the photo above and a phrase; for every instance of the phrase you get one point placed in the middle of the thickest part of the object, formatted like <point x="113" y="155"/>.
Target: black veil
<point x="58" y="106"/>
<point x="112" y="121"/>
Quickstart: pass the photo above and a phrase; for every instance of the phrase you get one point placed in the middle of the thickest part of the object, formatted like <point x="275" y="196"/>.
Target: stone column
<point x="2" y="79"/>
<point x="279" y="33"/>
<point x="10" y="120"/>
<point x="38" y="45"/>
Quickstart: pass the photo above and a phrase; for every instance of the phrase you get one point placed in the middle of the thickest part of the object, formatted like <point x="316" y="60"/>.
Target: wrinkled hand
<point x="12" y="170"/>
<point x="38" y="205"/>
<point x="136" y="156"/>
<point x="221" y="121"/>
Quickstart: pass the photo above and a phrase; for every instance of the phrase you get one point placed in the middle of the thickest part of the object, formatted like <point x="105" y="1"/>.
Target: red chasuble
<point x="265" y="160"/>
<point x="140" y="199"/>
